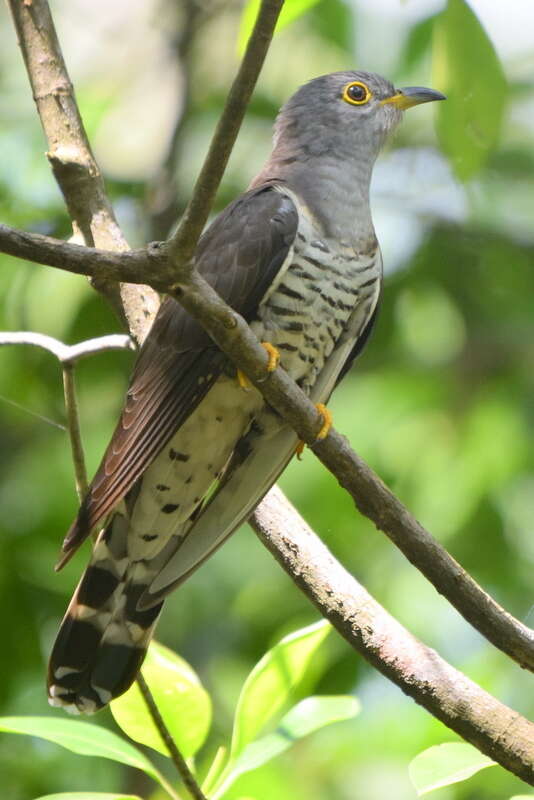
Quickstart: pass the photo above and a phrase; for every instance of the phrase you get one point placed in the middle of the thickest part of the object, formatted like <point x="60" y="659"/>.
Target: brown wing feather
<point x="239" y="254"/>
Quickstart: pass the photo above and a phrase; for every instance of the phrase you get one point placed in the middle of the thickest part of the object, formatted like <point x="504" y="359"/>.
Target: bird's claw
<point x="326" y="419"/>
<point x="273" y="359"/>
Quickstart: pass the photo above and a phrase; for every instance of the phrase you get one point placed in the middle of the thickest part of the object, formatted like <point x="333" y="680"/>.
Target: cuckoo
<point x="194" y="451"/>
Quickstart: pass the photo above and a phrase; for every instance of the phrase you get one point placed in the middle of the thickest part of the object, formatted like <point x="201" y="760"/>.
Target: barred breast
<point x="326" y="287"/>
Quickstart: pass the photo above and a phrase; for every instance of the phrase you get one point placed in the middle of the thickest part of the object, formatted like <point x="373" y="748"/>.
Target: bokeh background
<point x="440" y="404"/>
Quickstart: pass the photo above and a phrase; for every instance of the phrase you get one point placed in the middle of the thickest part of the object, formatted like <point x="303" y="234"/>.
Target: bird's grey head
<point x="350" y="110"/>
<point x="343" y="109"/>
<point x="330" y="132"/>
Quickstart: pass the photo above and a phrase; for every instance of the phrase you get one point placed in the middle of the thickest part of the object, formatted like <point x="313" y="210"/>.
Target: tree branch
<point x="371" y="496"/>
<point x="502" y="734"/>
<point x="68" y="354"/>
<point x="182" y="245"/>
<point x="135" y="266"/>
<point x="70" y="156"/>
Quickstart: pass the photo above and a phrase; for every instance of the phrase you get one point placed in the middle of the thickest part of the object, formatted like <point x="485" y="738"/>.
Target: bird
<point x="196" y="449"/>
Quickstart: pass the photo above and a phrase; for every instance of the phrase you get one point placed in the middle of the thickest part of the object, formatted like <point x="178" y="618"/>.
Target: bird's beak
<point x="412" y="96"/>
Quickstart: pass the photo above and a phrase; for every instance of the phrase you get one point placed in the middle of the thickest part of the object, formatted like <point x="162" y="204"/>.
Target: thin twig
<point x="71" y="158"/>
<point x="68" y="354"/>
<point x="164" y="200"/>
<point x="498" y="731"/>
<point x="177" y="758"/>
<point x="184" y="241"/>
<point x="73" y="427"/>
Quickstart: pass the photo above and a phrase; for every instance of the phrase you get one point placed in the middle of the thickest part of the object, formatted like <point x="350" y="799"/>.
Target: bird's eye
<point x="356" y="93"/>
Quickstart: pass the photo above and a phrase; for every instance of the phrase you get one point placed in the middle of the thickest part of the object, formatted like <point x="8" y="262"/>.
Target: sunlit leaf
<point x="182" y="702"/>
<point x="81" y="737"/>
<point x="291" y="10"/>
<point x="306" y="717"/>
<point x="315" y="712"/>
<point x="445" y="764"/>
<point x="467" y="69"/>
<point x="269" y="685"/>
<point x="88" y="796"/>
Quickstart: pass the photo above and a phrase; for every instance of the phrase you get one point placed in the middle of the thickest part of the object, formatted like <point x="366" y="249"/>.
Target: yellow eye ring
<point x="356" y="93"/>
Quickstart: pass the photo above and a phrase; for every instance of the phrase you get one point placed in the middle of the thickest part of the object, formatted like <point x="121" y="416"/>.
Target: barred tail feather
<point x="104" y="636"/>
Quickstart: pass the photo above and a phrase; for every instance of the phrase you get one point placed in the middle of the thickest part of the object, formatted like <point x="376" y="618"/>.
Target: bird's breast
<point x="314" y="299"/>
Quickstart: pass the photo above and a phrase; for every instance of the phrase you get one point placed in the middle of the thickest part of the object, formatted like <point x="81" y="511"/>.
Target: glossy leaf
<point x="306" y="717"/>
<point x="445" y="764"/>
<point x="291" y="10"/>
<point x="467" y="69"/>
<point x="81" y="737"/>
<point x="182" y="702"/>
<point x="269" y="685"/>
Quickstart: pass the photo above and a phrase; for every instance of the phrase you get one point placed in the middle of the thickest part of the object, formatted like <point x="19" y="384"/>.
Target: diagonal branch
<point x="498" y="731"/>
<point x="182" y="245"/>
<point x="371" y="496"/>
<point x="71" y="158"/>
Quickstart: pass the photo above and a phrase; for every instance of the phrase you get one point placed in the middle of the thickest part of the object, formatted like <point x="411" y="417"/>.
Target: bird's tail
<point x="104" y="636"/>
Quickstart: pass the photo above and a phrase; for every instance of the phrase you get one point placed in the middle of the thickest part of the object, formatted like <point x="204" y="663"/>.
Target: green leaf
<point x="316" y="712"/>
<point x="268" y="687"/>
<point x="418" y="43"/>
<point x="83" y="738"/>
<point x="306" y="717"/>
<point x="522" y="797"/>
<point x="445" y="764"/>
<point x="182" y="702"/>
<point x="467" y="69"/>
<point x="291" y="10"/>
<point x="88" y="796"/>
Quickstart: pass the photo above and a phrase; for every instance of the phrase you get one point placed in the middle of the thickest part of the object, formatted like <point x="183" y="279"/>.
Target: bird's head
<point x="347" y="111"/>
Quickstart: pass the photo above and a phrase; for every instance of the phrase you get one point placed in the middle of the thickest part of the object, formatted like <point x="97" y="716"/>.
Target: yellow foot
<point x="326" y="419"/>
<point x="243" y="381"/>
<point x="273" y="359"/>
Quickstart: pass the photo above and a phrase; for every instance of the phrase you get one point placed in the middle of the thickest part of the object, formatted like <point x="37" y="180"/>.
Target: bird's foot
<point x="273" y="359"/>
<point x="326" y="420"/>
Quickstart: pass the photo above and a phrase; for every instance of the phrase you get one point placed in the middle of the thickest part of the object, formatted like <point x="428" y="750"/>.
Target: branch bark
<point x="498" y="731"/>
<point x="72" y="160"/>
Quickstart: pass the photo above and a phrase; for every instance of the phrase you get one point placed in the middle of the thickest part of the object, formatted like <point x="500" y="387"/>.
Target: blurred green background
<point x="440" y="404"/>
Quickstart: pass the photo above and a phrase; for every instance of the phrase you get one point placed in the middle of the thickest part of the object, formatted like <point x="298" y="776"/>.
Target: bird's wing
<point x="258" y="460"/>
<point x="239" y="255"/>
